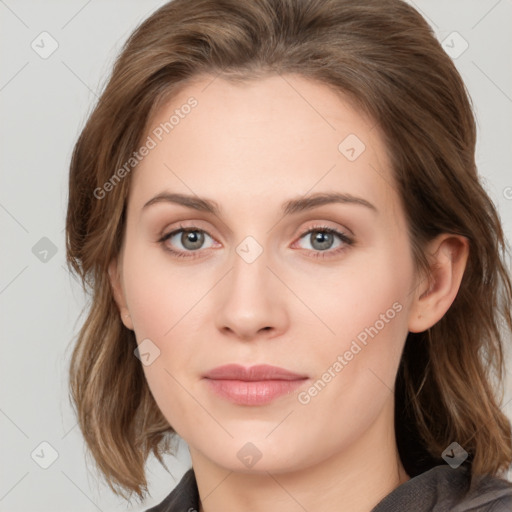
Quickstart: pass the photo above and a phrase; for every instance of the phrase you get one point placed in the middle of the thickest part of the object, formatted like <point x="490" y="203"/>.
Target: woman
<point x="293" y="264"/>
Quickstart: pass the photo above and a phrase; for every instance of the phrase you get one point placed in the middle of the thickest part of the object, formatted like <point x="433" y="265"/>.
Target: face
<point x="260" y="267"/>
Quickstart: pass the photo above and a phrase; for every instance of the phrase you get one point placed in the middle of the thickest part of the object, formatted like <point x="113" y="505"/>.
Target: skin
<point x="250" y="147"/>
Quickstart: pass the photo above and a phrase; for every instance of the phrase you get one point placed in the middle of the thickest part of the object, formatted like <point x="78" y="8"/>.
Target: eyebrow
<point x="290" y="207"/>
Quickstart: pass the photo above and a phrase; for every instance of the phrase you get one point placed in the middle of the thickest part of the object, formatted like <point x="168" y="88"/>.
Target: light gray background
<point x="44" y="104"/>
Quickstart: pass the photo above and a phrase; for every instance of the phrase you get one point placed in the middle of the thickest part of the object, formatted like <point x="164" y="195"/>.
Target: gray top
<point x="441" y="489"/>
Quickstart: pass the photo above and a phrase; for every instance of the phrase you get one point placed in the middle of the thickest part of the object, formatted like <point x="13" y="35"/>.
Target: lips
<point x="257" y="385"/>
<point x="254" y="373"/>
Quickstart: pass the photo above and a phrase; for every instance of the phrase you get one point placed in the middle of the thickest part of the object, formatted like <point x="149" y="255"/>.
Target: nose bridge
<point x="251" y="300"/>
<point x="250" y="273"/>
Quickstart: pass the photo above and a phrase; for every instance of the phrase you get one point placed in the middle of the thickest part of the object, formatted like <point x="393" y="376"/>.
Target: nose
<point x="252" y="301"/>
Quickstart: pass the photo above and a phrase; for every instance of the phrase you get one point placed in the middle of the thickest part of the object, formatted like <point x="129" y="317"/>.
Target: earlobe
<point x="117" y="290"/>
<point x="448" y="255"/>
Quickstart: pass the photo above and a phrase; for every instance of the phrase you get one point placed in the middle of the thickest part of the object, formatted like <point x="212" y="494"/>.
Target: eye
<point x="186" y="240"/>
<point x="322" y="239"/>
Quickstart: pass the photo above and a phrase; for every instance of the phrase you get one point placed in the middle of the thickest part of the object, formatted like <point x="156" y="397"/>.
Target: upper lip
<point x="253" y="373"/>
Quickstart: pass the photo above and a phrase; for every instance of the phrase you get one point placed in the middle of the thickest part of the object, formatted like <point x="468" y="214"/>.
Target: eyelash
<point x="316" y="254"/>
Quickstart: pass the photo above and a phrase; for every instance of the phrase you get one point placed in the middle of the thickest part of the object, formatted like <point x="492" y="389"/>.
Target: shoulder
<point x="440" y="489"/>
<point x="183" y="498"/>
<point x="445" y="489"/>
<point x="487" y="494"/>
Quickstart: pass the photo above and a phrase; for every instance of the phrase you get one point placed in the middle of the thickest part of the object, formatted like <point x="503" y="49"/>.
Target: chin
<point x="248" y="455"/>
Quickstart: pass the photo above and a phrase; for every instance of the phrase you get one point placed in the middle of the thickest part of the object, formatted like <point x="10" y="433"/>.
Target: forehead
<point x="262" y="139"/>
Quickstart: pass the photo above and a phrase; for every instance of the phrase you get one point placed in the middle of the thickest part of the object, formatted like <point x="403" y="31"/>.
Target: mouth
<point x="257" y="385"/>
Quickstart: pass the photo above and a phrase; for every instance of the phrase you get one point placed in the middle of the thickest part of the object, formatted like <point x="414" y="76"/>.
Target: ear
<point x="448" y="255"/>
<point x="118" y="292"/>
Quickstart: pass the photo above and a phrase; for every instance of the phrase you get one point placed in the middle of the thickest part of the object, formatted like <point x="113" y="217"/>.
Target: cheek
<point x="356" y="371"/>
<point x="369" y="295"/>
<point x="367" y="310"/>
<point x="368" y="342"/>
<point x="163" y="302"/>
<point x="174" y="396"/>
<point x="158" y="294"/>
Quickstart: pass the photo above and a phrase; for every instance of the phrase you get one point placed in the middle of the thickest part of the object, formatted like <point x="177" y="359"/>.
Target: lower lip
<point x="259" y="392"/>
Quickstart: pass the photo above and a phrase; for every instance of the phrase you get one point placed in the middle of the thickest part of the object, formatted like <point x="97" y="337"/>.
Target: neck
<point x="354" y="480"/>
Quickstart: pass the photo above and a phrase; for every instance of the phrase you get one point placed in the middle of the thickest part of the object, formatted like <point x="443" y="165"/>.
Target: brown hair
<point x="381" y="54"/>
